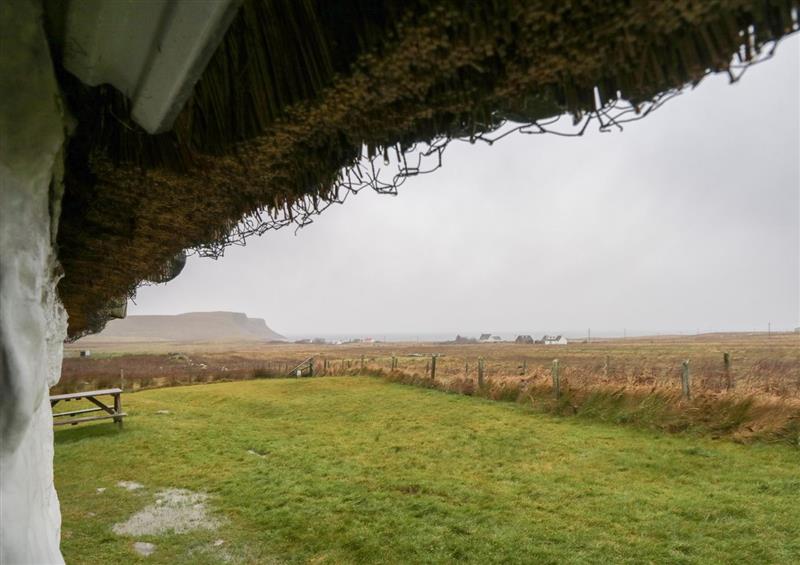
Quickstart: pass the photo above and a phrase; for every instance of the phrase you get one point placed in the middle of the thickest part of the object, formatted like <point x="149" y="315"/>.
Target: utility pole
<point x="769" y="329"/>
<point x="589" y="336"/>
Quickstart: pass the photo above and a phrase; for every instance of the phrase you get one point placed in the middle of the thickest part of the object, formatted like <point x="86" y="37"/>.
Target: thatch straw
<point x="277" y="124"/>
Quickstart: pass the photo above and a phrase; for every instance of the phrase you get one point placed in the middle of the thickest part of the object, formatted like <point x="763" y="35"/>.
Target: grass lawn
<point x="355" y="470"/>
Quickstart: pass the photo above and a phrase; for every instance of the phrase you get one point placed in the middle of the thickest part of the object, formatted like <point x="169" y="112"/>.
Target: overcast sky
<point x="686" y="221"/>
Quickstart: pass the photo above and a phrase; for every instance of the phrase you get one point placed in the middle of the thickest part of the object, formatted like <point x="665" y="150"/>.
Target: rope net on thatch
<point x="387" y="172"/>
<point x="308" y="101"/>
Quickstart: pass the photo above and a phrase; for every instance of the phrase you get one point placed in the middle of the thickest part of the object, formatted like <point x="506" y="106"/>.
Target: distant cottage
<point x="461" y="339"/>
<point x="485" y="337"/>
<point x="524" y="339"/>
<point x="553" y="340"/>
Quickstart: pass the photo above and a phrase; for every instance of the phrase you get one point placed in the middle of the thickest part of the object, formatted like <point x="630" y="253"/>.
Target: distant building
<point x="461" y="339"/>
<point x="524" y="339"/>
<point x="495" y="338"/>
<point x="86" y="353"/>
<point x="485" y="337"/>
<point x="553" y="340"/>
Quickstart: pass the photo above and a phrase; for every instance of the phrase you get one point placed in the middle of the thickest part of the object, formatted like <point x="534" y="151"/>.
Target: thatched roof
<point x="298" y="90"/>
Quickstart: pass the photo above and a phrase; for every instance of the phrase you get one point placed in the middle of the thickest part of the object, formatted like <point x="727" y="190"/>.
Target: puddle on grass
<point x="175" y="510"/>
<point x="144" y="548"/>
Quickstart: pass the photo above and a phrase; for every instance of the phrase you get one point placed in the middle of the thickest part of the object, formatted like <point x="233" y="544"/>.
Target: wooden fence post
<point x="394" y="362"/>
<point x="524" y="366"/>
<point x="556" y="380"/>
<point x="362" y="363"/>
<point x="685" y="380"/>
<point x="311" y="367"/>
<point x="433" y="366"/>
<point x="480" y="372"/>
<point x="726" y="361"/>
<point x="427" y="368"/>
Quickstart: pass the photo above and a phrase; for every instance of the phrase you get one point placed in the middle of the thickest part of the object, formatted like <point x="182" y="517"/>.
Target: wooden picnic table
<point x="115" y="412"/>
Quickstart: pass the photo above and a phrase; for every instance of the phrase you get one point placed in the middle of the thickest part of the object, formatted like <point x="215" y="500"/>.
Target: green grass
<point x="359" y="470"/>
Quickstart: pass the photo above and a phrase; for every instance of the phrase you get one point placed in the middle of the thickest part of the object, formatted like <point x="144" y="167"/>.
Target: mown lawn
<point x="356" y="470"/>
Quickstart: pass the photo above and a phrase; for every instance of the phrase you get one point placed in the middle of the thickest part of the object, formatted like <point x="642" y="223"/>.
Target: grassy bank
<point x="741" y="417"/>
<point x="349" y="470"/>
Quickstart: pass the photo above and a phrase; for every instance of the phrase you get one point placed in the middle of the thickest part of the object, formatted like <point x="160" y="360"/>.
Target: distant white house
<point x="553" y="340"/>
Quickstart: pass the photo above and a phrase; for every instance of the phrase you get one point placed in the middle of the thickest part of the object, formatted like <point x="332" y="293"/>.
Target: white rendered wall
<point x="32" y="321"/>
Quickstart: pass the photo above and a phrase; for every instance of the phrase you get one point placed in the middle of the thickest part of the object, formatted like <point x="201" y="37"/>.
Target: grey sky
<point x="688" y="220"/>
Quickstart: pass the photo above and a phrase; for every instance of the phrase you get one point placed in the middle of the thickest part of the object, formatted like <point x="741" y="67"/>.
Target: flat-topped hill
<point x="192" y="326"/>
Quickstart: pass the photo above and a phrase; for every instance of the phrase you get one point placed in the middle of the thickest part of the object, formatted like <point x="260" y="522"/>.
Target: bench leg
<point x="118" y="409"/>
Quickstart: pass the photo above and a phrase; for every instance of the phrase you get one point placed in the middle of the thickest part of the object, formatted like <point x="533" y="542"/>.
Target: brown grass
<point x="627" y="381"/>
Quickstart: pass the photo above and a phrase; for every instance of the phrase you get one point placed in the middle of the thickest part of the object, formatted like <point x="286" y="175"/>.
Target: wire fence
<point x="760" y="370"/>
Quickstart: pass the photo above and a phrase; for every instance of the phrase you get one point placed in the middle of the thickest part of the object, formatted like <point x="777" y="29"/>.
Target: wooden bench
<point x="114" y="412"/>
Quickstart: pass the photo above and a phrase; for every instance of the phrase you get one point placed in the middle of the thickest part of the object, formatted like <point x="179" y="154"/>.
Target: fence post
<point x="427" y="368"/>
<point x="433" y="366"/>
<point x="685" y="380"/>
<point x="362" y="363"/>
<point x="726" y="360"/>
<point x="394" y="362"/>
<point x="480" y="372"/>
<point x="524" y="366"/>
<point x="556" y="380"/>
<point x="311" y="367"/>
